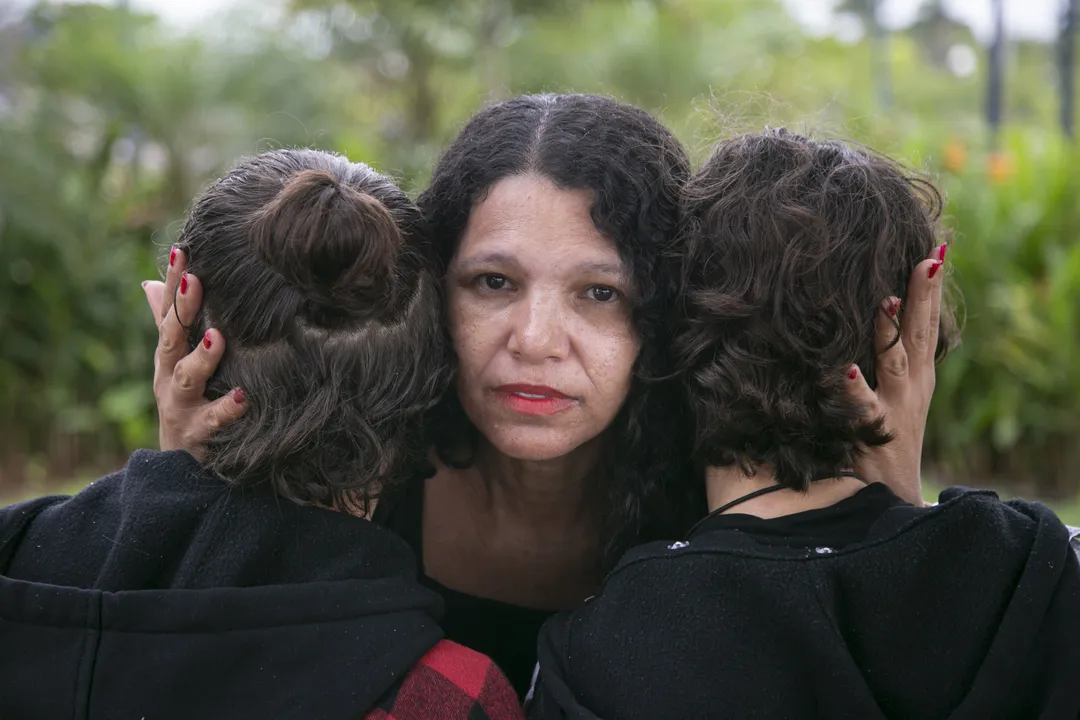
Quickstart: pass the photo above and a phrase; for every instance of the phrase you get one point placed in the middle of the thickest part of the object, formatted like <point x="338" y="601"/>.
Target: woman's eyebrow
<point x="602" y="267"/>
<point x="491" y="258"/>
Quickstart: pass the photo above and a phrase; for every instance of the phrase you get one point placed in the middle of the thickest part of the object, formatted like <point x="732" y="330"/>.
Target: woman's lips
<point x="534" y="399"/>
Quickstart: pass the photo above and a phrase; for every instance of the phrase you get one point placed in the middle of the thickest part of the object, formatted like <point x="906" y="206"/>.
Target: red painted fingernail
<point x="941" y="252"/>
<point x="934" y="269"/>
<point x="853" y="372"/>
<point x="206" y="340"/>
<point x="183" y="282"/>
<point x="172" y="257"/>
<point x="238" y="396"/>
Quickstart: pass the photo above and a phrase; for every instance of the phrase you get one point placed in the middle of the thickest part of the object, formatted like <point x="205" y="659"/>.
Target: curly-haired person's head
<point x="793" y="248"/>
<point x="310" y="267"/>
<point x="632" y="169"/>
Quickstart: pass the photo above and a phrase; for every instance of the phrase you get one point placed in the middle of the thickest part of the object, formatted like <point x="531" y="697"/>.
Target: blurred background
<point x="114" y="114"/>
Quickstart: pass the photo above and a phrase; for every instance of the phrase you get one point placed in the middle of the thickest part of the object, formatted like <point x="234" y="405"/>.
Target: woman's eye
<point x="492" y="281"/>
<point x="599" y="293"/>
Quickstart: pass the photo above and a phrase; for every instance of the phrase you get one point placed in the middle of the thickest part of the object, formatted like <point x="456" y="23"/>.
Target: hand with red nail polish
<point x="186" y="419"/>
<point x="905" y="374"/>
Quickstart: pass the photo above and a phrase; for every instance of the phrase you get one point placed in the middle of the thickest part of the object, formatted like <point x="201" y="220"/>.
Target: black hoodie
<point x="970" y="609"/>
<point x="159" y="593"/>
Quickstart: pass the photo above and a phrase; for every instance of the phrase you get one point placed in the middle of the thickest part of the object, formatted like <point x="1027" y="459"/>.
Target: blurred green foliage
<point x="110" y="122"/>
<point x="1008" y="400"/>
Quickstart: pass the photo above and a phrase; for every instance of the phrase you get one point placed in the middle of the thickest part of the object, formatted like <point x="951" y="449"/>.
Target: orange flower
<point x="999" y="167"/>
<point x="955" y="156"/>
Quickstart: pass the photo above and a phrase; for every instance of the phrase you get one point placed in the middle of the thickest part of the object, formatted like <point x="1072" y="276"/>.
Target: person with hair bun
<point x="810" y="591"/>
<point x="563" y="440"/>
<point x="254" y="585"/>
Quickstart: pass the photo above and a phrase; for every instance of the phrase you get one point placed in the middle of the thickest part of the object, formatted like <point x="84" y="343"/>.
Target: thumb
<point x="154" y="290"/>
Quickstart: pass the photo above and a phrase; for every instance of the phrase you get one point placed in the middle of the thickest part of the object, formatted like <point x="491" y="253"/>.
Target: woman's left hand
<point x="905" y="382"/>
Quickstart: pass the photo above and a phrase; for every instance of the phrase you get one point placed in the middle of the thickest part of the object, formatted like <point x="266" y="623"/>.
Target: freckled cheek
<point x="473" y="334"/>
<point x="612" y="359"/>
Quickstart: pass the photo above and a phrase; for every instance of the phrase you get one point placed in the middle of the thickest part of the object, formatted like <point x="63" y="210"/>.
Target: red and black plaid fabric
<point x="451" y="682"/>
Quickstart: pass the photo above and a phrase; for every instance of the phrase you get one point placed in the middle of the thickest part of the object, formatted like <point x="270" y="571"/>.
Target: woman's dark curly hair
<point x="635" y="169"/>
<point x="311" y="267"/>
<point x="793" y="247"/>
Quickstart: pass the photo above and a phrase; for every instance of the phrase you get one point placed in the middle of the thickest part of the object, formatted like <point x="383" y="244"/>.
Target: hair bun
<point x="337" y="246"/>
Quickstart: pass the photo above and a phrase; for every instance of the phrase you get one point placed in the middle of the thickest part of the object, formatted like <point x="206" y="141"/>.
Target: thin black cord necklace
<point x="763" y="491"/>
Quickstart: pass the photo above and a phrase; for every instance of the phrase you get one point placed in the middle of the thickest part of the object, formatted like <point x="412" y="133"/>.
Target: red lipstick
<point x="534" y="399"/>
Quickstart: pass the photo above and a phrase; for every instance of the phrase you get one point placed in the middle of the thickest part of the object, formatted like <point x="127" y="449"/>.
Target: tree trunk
<point x="496" y="15"/>
<point x="1067" y="66"/>
<point x="996" y="72"/>
<point x="423" y="105"/>
<point x="879" y="58"/>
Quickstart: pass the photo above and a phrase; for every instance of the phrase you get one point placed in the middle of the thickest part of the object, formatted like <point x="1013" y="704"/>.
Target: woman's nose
<point x="538" y="330"/>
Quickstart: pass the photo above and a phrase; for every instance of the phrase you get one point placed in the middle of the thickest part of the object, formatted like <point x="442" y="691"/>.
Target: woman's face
<point x="539" y="313"/>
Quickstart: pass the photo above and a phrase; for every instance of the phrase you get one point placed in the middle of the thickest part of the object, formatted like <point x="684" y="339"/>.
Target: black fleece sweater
<point x="159" y="593"/>
<point x="970" y="609"/>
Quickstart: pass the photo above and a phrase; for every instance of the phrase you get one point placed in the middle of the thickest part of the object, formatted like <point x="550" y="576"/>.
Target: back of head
<point x="310" y="268"/>
<point x="793" y="247"/>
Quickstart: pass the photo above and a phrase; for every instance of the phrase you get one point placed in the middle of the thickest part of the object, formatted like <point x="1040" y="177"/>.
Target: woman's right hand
<point x="186" y="418"/>
<point x="906" y="380"/>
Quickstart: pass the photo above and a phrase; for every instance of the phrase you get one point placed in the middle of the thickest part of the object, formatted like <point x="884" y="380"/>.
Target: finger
<point x="919" y="337"/>
<point x="191" y="373"/>
<point x="934" y="327"/>
<point x="177" y="266"/>
<point x="209" y="420"/>
<point x="226" y="410"/>
<point x="172" y="332"/>
<point x="859" y="390"/>
<point x="155" y="290"/>
<point x="891" y="359"/>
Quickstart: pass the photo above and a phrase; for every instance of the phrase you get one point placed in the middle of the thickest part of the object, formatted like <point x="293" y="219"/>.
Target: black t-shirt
<point x="506" y="633"/>
<point x="845" y="523"/>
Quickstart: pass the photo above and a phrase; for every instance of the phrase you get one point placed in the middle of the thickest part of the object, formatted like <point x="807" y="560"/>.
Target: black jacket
<point x="970" y="609"/>
<point x="159" y="593"/>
